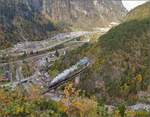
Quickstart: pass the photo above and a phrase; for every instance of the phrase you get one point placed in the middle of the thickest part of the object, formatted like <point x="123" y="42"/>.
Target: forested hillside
<point x="120" y="61"/>
<point x="21" y="22"/>
<point x="141" y="13"/>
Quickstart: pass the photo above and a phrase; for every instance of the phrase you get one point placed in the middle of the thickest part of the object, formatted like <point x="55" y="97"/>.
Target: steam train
<point x="69" y="74"/>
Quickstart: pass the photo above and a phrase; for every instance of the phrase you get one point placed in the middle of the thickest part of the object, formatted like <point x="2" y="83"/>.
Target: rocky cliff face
<point x="80" y="13"/>
<point x="84" y="12"/>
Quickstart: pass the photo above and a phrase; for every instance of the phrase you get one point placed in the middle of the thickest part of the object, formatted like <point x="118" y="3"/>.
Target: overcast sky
<point x="130" y="4"/>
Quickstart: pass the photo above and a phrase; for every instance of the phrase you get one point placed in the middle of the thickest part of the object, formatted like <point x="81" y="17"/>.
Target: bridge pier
<point x="77" y="80"/>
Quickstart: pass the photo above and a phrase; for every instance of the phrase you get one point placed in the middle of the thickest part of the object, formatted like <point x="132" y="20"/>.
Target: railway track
<point x="68" y="78"/>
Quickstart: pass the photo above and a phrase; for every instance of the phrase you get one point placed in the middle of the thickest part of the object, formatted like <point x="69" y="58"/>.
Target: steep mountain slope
<point x="120" y="61"/>
<point x="84" y="13"/>
<point x="19" y="21"/>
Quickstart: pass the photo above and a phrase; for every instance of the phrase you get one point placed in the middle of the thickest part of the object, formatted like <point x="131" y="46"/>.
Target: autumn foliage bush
<point x="19" y="103"/>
